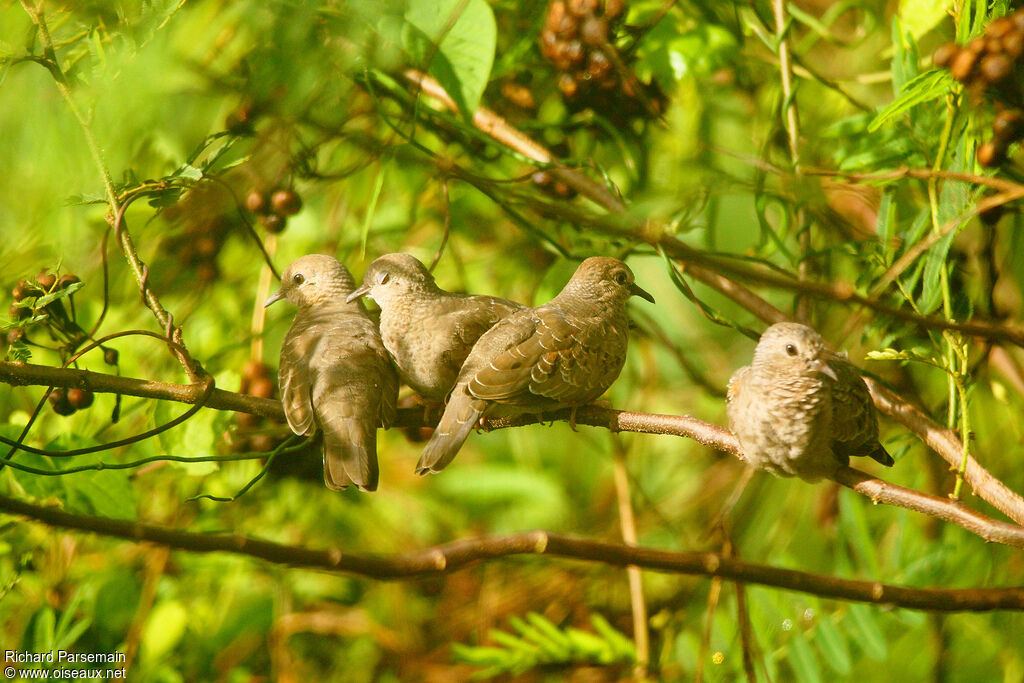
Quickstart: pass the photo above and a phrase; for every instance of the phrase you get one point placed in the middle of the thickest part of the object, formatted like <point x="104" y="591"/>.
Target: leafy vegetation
<point x="165" y="159"/>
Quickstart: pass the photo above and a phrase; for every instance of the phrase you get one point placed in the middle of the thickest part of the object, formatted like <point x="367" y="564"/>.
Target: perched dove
<point x="427" y="331"/>
<point x="799" y="409"/>
<point x="335" y="375"/>
<point x="565" y="353"/>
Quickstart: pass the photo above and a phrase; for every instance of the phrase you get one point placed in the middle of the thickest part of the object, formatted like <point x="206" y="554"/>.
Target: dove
<point x="564" y="353"/>
<point x="335" y="375"/>
<point x="800" y="410"/>
<point x="427" y="331"/>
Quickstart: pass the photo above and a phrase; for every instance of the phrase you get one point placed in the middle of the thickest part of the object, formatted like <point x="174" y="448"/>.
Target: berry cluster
<point x="273" y="208"/>
<point x="58" y="318"/>
<point x="199" y="244"/>
<point x="252" y="434"/>
<point x="578" y="38"/>
<point x="991" y="66"/>
<point x="67" y="401"/>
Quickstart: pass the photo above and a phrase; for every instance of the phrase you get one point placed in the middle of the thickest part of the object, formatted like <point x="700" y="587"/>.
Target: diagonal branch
<point x="453" y="556"/>
<point x="709" y="269"/>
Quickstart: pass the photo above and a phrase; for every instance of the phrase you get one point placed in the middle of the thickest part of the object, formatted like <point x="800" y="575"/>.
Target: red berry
<point x="945" y="54"/>
<point x="67" y="280"/>
<point x="256" y="201"/>
<point x="46" y="280"/>
<point x="286" y="202"/>
<point x="80" y="398"/>
<point x="273" y="222"/>
<point x="991" y="154"/>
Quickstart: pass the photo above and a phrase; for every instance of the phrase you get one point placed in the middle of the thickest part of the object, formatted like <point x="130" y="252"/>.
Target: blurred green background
<point x="206" y="101"/>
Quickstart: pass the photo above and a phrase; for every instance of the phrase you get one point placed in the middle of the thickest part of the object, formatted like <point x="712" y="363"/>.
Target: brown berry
<point x="962" y="65"/>
<point x="1008" y="125"/>
<point x="286" y="202"/>
<point x="594" y="31"/>
<point x="568" y="85"/>
<point x="999" y="28"/>
<point x="613" y="8"/>
<point x="548" y="43"/>
<point x="80" y="398"/>
<point x="273" y="222"/>
<point x="944" y="54"/>
<point x="205" y="246"/>
<point x="561" y="22"/>
<point x="15" y="335"/>
<point x="206" y="271"/>
<point x="261" y="387"/>
<point x="1013" y="44"/>
<point x="22" y="290"/>
<point x="581" y="8"/>
<point x="574" y="51"/>
<point x="46" y="280"/>
<point x="562" y="189"/>
<point x="991" y="154"/>
<point x="67" y="280"/>
<point x="598" y="64"/>
<point x="261" y="443"/>
<point x="994" y="68"/>
<point x="18" y="312"/>
<point x="518" y="95"/>
<point x="1018" y="19"/>
<point x="59" y="401"/>
<point x="256" y="202"/>
<point x="254" y="368"/>
<point x="110" y="356"/>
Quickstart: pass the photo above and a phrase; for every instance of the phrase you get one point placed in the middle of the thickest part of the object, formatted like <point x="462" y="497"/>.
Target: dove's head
<point x="314" y="279"/>
<point x="604" y="280"/>
<point x="392" y="277"/>
<point x="792" y="349"/>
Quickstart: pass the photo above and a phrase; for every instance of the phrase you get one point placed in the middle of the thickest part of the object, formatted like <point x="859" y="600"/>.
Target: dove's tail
<point x="350" y="451"/>
<point x="880" y="455"/>
<point x="460" y="416"/>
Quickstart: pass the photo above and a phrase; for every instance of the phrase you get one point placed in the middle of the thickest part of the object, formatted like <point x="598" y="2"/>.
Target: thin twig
<point x="636" y="585"/>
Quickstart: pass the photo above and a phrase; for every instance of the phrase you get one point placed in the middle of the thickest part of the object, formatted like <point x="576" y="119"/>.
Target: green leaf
<point x="833" y="646"/>
<point x="870" y="636"/>
<point x="805" y="664"/>
<point x="920" y="16"/>
<point x="929" y="86"/>
<point x="164" y="630"/>
<point x="455" y="40"/>
<point x="935" y="261"/>
<point x="887" y="354"/>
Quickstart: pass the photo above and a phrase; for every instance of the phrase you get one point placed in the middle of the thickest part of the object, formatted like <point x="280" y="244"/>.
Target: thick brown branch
<point x="707" y="434"/>
<point x="451" y="557"/>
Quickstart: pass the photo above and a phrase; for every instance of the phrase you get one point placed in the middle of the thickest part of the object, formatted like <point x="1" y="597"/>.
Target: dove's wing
<point x="854" y="421"/>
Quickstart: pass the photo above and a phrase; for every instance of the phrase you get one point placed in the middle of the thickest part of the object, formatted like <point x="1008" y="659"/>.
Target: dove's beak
<point x="639" y="291"/>
<point x="824" y="368"/>
<point x="276" y="296"/>
<point x="362" y="291"/>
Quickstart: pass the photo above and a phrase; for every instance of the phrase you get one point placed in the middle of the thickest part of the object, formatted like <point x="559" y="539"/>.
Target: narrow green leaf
<point x="833" y="646"/>
<point x="867" y="632"/>
<point x="935" y="261"/>
<point x="926" y="87"/>
<point x="805" y="664"/>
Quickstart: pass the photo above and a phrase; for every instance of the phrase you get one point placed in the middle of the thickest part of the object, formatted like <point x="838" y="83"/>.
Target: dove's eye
<point x="298" y="278"/>
<point x="790" y="349"/>
<point x="620" y="277"/>
<point x="382" y="278"/>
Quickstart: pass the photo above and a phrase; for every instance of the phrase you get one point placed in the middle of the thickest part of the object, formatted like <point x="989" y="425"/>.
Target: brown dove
<point x="335" y="375"/>
<point x="800" y="410"/>
<point x="428" y="331"/>
<point x="565" y="353"/>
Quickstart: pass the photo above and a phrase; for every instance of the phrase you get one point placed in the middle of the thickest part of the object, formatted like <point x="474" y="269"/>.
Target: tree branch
<point x="707" y="434"/>
<point x="708" y="268"/>
<point x="453" y="556"/>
